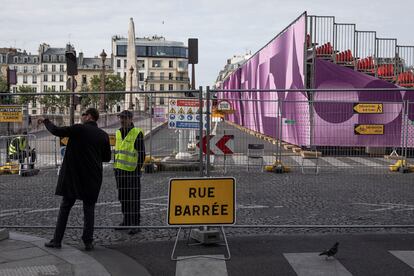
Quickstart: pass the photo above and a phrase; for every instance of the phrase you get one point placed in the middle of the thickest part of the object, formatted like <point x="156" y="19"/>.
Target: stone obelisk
<point x="131" y="84"/>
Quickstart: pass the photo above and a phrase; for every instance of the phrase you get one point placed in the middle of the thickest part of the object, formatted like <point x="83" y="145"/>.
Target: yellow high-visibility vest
<point x="21" y="145"/>
<point x="126" y="156"/>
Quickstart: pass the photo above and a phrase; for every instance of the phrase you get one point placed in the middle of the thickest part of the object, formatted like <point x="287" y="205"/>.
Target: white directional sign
<point x="184" y="114"/>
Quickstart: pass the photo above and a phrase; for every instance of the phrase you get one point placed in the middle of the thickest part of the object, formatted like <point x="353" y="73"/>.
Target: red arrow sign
<point x="221" y="144"/>
<point x="204" y="142"/>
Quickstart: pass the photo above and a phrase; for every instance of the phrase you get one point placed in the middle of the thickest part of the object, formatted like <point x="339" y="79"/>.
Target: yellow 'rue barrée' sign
<point x="202" y="201"/>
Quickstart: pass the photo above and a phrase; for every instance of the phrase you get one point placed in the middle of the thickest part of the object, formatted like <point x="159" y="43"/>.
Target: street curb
<point x="4" y="234"/>
<point x="83" y="264"/>
<point x="155" y="130"/>
<point x="118" y="263"/>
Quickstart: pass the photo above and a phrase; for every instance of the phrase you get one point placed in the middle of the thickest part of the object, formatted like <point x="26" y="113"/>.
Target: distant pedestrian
<point x="80" y="176"/>
<point x="129" y="159"/>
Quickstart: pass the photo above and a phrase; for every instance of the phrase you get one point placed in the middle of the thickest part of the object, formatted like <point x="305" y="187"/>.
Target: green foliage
<point x="57" y="101"/>
<point x="25" y="99"/>
<point x="3" y="84"/>
<point x="112" y="83"/>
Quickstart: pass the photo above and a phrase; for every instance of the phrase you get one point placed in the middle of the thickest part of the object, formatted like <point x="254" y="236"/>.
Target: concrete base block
<point x="205" y="236"/>
<point x="4" y="234"/>
<point x="375" y="150"/>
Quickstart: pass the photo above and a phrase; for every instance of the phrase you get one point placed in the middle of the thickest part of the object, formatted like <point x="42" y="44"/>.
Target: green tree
<point x="112" y="83"/>
<point x="53" y="100"/>
<point x="3" y="89"/>
<point x="3" y="85"/>
<point x="25" y="99"/>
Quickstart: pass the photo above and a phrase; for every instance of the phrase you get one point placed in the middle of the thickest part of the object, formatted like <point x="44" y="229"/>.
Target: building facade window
<point x="156" y="63"/>
<point x="162" y="101"/>
<point x="118" y="63"/>
<point x="44" y="88"/>
<point x="34" y="111"/>
<point x="14" y="89"/>
<point x="61" y="78"/>
<point x="34" y="102"/>
<point x="24" y="79"/>
<point x="125" y="63"/>
<point x="53" y="88"/>
<point x="170" y="87"/>
<point x="161" y="75"/>
<point x="53" y="68"/>
<point x="34" y="69"/>
<point x="170" y="76"/>
<point x="46" y="58"/>
<point x="53" y="58"/>
<point x="141" y="76"/>
<point x="24" y="69"/>
<point x="61" y="88"/>
<point x="16" y="59"/>
<point x="161" y="87"/>
<point x="35" y="90"/>
<point x="34" y="79"/>
<point x="35" y="60"/>
<point x="152" y="87"/>
<point x="44" y="67"/>
<point x="171" y="64"/>
<point x="61" y="58"/>
<point x="151" y="76"/>
<point x="45" y="77"/>
<point x="62" y="68"/>
<point x="53" y="77"/>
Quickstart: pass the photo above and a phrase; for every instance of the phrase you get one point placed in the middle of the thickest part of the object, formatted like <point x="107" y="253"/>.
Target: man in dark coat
<point x="80" y="176"/>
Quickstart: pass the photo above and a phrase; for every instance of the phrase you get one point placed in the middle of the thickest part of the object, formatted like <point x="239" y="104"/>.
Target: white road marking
<point x="311" y="264"/>
<point x="201" y="266"/>
<point x="306" y="162"/>
<point x="405" y="256"/>
<point x="367" y="162"/>
<point x="335" y="162"/>
<point x="388" y="207"/>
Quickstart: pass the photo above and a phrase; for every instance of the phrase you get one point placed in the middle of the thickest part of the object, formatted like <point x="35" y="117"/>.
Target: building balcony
<point x="167" y="79"/>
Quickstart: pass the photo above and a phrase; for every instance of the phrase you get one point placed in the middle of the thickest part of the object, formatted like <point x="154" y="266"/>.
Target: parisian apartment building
<point x="162" y="64"/>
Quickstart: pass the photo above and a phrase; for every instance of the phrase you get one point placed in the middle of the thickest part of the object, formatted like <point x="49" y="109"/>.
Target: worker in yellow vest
<point x="129" y="159"/>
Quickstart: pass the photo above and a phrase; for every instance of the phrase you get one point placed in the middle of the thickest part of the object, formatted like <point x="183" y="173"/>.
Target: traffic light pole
<point x="72" y="102"/>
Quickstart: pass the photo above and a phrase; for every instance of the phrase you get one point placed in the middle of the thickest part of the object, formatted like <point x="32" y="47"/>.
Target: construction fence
<point x="251" y="135"/>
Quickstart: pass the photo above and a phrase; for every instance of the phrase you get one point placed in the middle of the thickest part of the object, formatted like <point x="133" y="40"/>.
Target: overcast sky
<point x="224" y="28"/>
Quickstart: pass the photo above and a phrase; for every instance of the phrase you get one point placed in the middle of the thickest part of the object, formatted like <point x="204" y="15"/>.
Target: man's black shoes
<point x="134" y="231"/>
<point x="53" y="244"/>
<point x="89" y="246"/>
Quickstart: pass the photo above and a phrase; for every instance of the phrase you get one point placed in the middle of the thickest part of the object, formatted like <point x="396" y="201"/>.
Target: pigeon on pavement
<point x="330" y="252"/>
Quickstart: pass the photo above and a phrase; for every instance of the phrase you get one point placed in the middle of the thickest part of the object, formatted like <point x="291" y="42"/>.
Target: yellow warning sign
<point x="368" y="108"/>
<point x="181" y="111"/>
<point x="11" y="114"/>
<point x="172" y="111"/>
<point x="368" y="129"/>
<point x="64" y="141"/>
<point x="190" y="111"/>
<point x="202" y="201"/>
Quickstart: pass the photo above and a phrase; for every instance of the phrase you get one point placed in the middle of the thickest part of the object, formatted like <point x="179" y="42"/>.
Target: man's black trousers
<point x="129" y="190"/>
<point x="88" y="220"/>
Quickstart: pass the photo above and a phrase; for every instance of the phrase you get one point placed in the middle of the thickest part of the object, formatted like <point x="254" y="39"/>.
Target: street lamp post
<point x="131" y="71"/>
<point x="102" y="97"/>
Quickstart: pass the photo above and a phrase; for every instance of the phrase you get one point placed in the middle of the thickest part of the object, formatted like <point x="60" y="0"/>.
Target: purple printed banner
<point x="279" y="65"/>
<point x="334" y="118"/>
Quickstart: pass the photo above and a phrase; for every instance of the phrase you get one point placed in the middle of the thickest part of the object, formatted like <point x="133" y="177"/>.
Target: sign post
<point x="200" y="202"/>
<point x="368" y="108"/>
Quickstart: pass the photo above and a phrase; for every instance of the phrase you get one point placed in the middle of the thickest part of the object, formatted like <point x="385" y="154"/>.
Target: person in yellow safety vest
<point x="129" y="159"/>
<point x="18" y="149"/>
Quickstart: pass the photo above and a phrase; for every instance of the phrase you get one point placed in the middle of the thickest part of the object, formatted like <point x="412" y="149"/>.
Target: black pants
<point x="88" y="219"/>
<point x="129" y="191"/>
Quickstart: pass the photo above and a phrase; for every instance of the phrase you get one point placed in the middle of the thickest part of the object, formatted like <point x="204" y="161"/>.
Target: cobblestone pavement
<point x="262" y="199"/>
